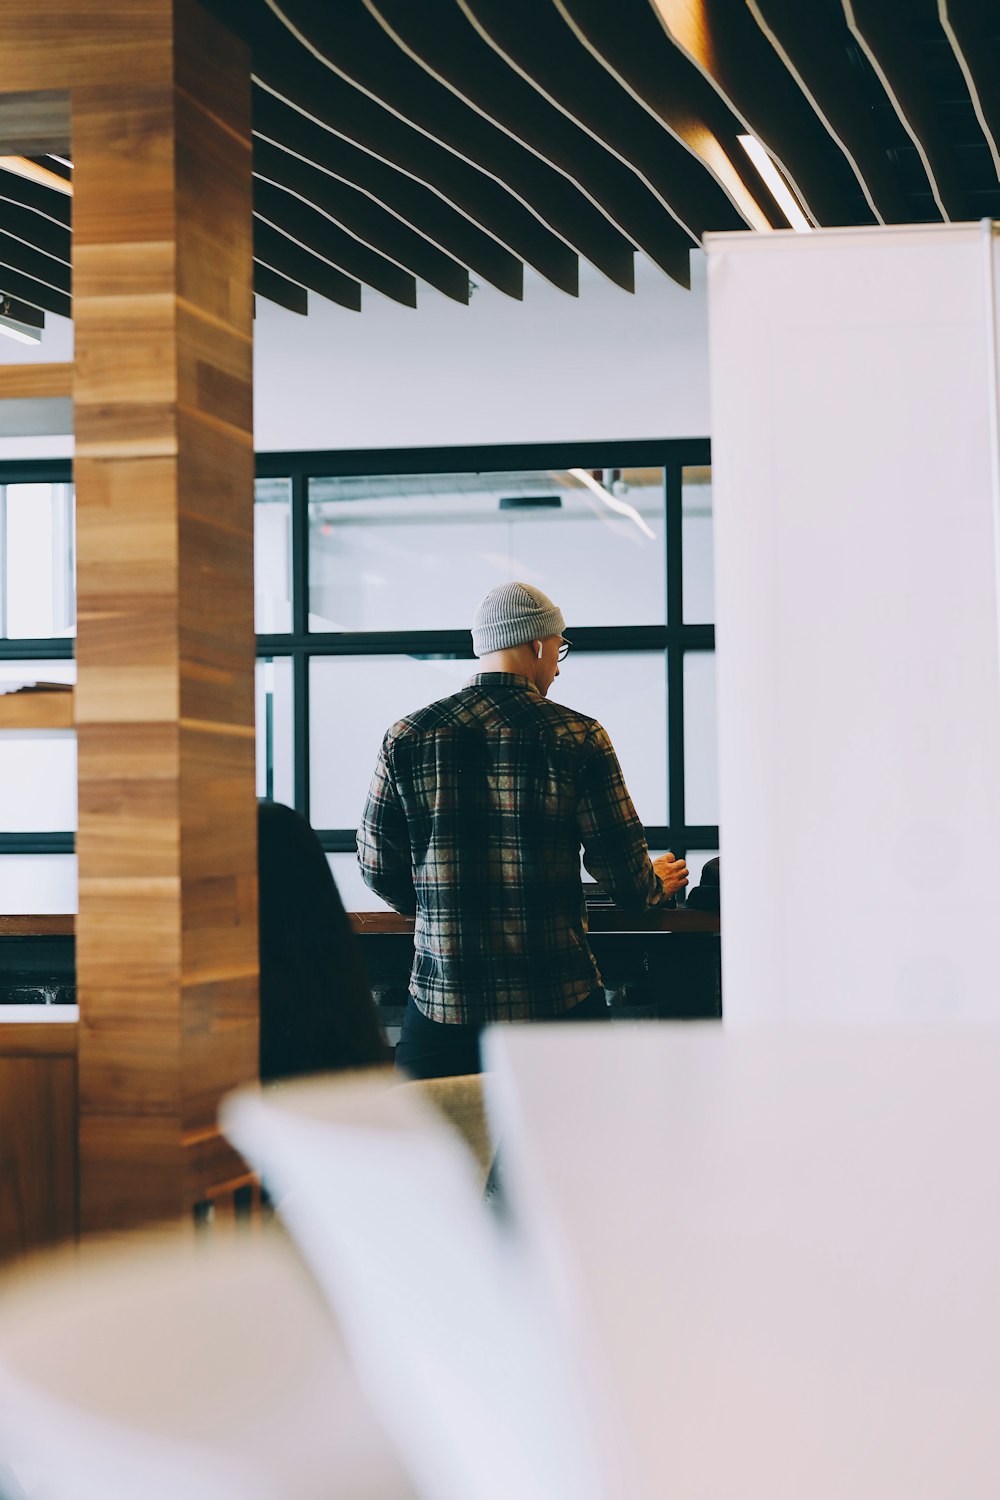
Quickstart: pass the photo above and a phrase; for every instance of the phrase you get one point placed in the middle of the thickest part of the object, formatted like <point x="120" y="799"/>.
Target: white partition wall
<point x="854" y="416"/>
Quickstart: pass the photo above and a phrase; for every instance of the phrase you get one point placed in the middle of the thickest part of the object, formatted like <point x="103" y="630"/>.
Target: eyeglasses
<point x="564" y="646"/>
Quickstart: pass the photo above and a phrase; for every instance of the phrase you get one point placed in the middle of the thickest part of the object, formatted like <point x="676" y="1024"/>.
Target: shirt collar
<point x="502" y="679"/>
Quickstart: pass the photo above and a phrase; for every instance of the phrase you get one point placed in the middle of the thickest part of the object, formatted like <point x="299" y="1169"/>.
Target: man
<point x="476" y="815"/>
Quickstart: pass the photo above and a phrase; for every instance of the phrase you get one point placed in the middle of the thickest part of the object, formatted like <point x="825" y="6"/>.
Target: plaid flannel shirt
<point x="476" y="815"/>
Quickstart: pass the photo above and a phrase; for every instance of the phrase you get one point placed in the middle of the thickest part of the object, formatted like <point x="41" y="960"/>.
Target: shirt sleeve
<point x="614" y="846"/>
<point x="384" y="840"/>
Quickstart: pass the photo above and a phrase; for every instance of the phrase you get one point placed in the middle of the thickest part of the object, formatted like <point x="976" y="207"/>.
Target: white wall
<point x="859" y="712"/>
<point x="607" y="365"/>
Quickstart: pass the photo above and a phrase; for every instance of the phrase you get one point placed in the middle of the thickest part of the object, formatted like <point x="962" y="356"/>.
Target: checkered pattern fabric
<point x="476" y="815"/>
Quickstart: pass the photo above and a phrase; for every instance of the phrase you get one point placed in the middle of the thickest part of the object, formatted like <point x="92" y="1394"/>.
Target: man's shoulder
<point x="567" y="723"/>
<point x="436" y="715"/>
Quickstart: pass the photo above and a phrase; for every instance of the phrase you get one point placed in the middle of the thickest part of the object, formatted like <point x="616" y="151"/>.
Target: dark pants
<point x="439" y="1049"/>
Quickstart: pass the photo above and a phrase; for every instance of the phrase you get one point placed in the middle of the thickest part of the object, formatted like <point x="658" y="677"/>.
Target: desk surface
<point x="371" y="923"/>
<point x="601" y="919"/>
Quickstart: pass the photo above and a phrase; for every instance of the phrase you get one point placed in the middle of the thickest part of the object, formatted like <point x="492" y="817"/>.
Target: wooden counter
<point x="680" y="919"/>
<point x="38" y="1179"/>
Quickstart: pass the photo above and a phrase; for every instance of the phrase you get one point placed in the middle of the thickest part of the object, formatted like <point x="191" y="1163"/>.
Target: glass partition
<point x="37" y="561"/>
<point x="418" y="552"/>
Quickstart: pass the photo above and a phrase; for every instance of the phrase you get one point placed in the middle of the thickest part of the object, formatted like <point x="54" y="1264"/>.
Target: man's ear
<point x="537" y="648"/>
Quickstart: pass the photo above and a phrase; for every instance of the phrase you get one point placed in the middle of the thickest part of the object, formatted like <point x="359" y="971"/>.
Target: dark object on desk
<point x="316" y="1007"/>
<point x="705" y="897"/>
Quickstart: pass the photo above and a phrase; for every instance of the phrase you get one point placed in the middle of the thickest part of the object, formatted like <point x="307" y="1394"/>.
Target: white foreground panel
<point x="854" y="465"/>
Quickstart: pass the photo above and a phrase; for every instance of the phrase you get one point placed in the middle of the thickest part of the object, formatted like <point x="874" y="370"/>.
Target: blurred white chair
<point x="450" y="1331"/>
<point x="168" y="1369"/>
<point x="779" y="1247"/>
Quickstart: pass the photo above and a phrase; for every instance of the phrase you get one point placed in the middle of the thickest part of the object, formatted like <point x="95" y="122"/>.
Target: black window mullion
<point x="300" y="634"/>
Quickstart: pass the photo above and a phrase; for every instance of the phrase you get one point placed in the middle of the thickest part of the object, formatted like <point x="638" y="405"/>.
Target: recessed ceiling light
<point x="780" y="191"/>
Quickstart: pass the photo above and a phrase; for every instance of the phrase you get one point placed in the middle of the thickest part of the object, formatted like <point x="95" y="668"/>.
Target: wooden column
<point x="167" y="929"/>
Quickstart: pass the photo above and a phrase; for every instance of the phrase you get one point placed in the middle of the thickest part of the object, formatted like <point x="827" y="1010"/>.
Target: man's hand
<point x="673" y="873"/>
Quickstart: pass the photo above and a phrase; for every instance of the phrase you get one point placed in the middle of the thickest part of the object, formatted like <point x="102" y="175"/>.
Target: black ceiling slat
<point x="14" y="283"/>
<point x="447" y="141"/>
<point x="284" y="66"/>
<point x="288" y="294"/>
<point x="973" y="32"/>
<point x="42" y="200"/>
<point x="627" y="41"/>
<point x="33" y="229"/>
<point x="425" y="211"/>
<point x="274" y="249"/>
<point x="444" y="39"/>
<point x="723" y="40"/>
<point x="366" y="220"/>
<point x="536" y="37"/>
<point x="310" y="228"/>
<point x="814" y="45"/>
<point x="35" y="263"/>
<point x="886" y="34"/>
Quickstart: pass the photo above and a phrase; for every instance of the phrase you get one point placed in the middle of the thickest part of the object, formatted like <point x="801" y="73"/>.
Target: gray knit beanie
<point x="512" y="614"/>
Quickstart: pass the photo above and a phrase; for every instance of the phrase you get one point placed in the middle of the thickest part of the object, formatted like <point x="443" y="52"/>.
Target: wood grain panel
<point x="164" y="472"/>
<point x="885" y="32"/>
<point x="680" y="920"/>
<point x="490" y="77"/>
<point x="37" y="1147"/>
<point x="37" y="926"/>
<point x="411" y="202"/>
<point x="35" y="123"/>
<point x="36" y="710"/>
<point x="25" y="382"/>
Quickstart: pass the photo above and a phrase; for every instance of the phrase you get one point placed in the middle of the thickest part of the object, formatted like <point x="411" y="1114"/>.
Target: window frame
<point x="673" y="638"/>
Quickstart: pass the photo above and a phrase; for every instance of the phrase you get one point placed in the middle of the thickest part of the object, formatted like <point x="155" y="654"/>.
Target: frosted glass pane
<point x="419" y="552"/>
<point x="38" y="546"/>
<point x="272" y="556"/>
<point x="627" y="692"/>
<point x="353" y="892"/>
<point x="701" y="773"/>
<point x="352" y="702"/>
<point x="37" y="781"/>
<point x="37" y="671"/>
<point x="697" y="859"/>
<point x="37" y="884"/>
<point x="697" y="546"/>
<point x="275" y="730"/>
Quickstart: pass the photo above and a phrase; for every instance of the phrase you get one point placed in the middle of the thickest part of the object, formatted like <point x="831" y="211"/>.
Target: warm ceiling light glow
<point x="36" y="173"/>
<point x="622" y="507"/>
<point x="780" y="190"/>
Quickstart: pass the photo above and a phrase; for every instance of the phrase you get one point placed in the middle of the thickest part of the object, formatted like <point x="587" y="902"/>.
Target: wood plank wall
<point x="162" y="273"/>
<point x="37" y="1135"/>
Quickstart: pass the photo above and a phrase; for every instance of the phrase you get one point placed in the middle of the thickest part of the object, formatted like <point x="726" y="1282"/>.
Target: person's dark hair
<point x="316" y="1006"/>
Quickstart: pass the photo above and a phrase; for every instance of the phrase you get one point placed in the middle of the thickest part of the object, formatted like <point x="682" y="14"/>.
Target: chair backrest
<point x="450" y="1332"/>
<point x="462" y="1103"/>
<point x="158" y="1366"/>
